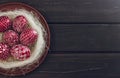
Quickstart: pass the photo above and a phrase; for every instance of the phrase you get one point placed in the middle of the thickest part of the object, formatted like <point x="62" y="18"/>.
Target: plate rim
<point x="44" y="24"/>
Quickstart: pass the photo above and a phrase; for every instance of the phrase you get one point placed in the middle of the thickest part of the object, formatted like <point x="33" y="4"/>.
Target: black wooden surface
<point x="85" y="38"/>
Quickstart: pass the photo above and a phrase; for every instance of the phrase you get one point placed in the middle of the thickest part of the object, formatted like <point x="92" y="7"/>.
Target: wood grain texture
<point x="76" y="11"/>
<point x="79" y="37"/>
<point x="77" y="66"/>
<point x="85" y="37"/>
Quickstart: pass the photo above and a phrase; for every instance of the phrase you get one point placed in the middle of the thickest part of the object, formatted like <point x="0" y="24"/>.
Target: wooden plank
<point x="76" y="11"/>
<point x="85" y="37"/>
<point x="77" y="66"/>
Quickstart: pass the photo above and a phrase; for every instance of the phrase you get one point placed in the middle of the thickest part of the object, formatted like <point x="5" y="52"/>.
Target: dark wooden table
<point x="85" y="38"/>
